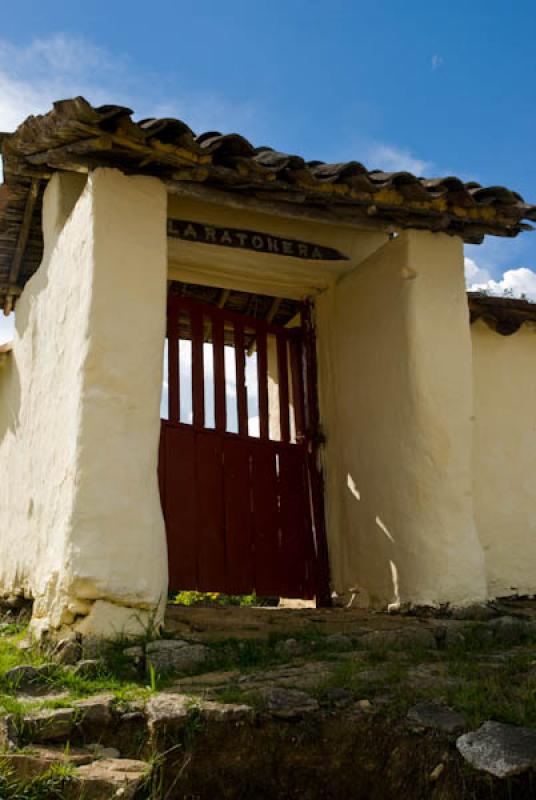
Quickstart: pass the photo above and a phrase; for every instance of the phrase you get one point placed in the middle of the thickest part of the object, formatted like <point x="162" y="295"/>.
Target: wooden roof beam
<point x="22" y="241"/>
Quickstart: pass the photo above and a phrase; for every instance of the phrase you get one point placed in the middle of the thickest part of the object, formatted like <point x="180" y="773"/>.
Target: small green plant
<point x="49" y="786"/>
<point x="153" y="678"/>
<point x="215" y="599"/>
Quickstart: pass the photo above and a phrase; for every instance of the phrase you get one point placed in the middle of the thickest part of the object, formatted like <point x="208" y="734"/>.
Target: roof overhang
<point x="76" y="136"/>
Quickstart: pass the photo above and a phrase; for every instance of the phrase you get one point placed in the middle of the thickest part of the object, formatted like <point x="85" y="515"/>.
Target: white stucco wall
<point x="80" y="519"/>
<point x="505" y="456"/>
<point x="396" y="403"/>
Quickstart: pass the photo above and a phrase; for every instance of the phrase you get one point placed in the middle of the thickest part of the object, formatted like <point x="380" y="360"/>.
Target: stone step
<point x="88" y="778"/>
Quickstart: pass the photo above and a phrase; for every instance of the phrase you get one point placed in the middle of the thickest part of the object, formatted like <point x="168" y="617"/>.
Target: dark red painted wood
<point x="241" y="392"/>
<point x="264" y="489"/>
<point x="238" y="517"/>
<point x="295" y="522"/>
<point x="180" y="506"/>
<point x="262" y="379"/>
<point x="243" y="513"/>
<point x="211" y="559"/>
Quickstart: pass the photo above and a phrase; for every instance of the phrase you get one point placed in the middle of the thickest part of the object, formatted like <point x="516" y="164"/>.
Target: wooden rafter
<point x="22" y="241"/>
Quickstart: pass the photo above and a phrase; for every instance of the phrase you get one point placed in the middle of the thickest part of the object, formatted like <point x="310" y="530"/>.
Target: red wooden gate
<point x="243" y="507"/>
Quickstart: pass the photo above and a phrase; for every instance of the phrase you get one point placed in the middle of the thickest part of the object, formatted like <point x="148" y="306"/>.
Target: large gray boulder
<point x="502" y="750"/>
<point x="171" y="655"/>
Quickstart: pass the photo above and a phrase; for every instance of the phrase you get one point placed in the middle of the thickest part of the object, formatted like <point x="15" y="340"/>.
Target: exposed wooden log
<point x="223" y="297"/>
<point x="99" y="143"/>
<point x="328" y="216"/>
<point x="274" y="308"/>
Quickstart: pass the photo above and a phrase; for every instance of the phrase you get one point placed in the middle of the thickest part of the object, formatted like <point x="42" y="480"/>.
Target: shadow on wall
<point x="376" y="523"/>
<point x="10" y="396"/>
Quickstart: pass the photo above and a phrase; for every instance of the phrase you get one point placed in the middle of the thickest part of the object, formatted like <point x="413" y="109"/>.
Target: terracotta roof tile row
<point x="78" y="136"/>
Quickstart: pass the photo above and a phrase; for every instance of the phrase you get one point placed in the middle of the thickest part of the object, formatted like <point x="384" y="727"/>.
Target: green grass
<point x="193" y="598"/>
<point x="50" y="785"/>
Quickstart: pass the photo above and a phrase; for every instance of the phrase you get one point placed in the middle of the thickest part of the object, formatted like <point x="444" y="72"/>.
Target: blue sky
<point x="437" y="88"/>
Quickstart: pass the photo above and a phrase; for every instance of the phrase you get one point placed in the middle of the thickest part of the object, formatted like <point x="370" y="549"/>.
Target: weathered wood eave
<point x="228" y="170"/>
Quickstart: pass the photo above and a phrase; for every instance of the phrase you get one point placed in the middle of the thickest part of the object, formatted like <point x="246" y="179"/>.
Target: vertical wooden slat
<point x="264" y="490"/>
<point x="314" y="471"/>
<point x="240" y="577"/>
<point x="162" y="467"/>
<point x="241" y="392"/>
<point x="295" y="532"/>
<point x="219" y="373"/>
<point x="198" y="373"/>
<point x="180" y="507"/>
<point x="282" y="371"/>
<point x="210" y="519"/>
<point x="262" y="377"/>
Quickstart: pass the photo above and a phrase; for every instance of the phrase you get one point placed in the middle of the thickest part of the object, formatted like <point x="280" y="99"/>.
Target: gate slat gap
<point x="262" y="377"/>
<point x="282" y="371"/>
<point x="198" y="372"/>
<point x="219" y="373"/>
<point x="241" y="391"/>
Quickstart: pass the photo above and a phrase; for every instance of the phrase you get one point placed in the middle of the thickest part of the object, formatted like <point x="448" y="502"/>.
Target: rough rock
<point x="108" y="778"/>
<point x="135" y="654"/>
<point x="288" y="703"/>
<point x="49" y="725"/>
<point x="478" y="612"/>
<point x="97" y="750"/>
<point x="508" y="630"/>
<point x="67" y="652"/>
<point x="205" y="681"/>
<point x="226" y="712"/>
<point x="400" y="639"/>
<point x="502" y="750"/>
<point x="436" y="716"/>
<point x="290" y="648"/>
<point x="38" y="759"/>
<point x="8" y="733"/>
<point x="307" y="676"/>
<point x="26" y="678"/>
<point x="96" y="711"/>
<point x="167" y="712"/>
<point x="88" y="668"/>
<point x="338" y="698"/>
<point x="453" y="636"/>
<point x="170" y="655"/>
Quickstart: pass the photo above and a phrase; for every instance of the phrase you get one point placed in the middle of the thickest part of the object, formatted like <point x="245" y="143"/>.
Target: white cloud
<point x="437" y="61"/>
<point x="514" y="282"/>
<point x="396" y="159"/>
<point x="62" y="66"/>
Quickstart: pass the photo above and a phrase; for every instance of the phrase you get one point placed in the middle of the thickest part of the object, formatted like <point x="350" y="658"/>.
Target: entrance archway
<point x="239" y="477"/>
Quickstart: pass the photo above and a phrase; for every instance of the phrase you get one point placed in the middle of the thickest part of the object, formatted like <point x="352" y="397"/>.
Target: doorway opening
<point x="239" y="473"/>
